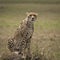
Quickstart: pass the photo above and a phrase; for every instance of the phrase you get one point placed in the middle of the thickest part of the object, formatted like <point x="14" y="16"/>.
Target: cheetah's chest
<point x="28" y="33"/>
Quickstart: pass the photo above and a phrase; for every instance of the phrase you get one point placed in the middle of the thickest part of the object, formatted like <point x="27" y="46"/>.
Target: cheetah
<point x="20" y="42"/>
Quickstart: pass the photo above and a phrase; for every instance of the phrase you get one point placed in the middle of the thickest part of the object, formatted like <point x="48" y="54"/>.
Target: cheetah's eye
<point x="35" y="15"/>
<point x="30" y="15"/>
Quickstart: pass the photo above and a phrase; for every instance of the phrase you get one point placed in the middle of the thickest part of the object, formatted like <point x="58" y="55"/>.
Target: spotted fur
<point x="21" y="40"/>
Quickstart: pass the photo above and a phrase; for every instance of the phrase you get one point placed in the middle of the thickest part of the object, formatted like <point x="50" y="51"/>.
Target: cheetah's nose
<point x="32" y="18"/>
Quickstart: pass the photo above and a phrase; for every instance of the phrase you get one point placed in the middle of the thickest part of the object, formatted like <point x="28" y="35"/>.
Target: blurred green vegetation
<point x="30" y="1"/>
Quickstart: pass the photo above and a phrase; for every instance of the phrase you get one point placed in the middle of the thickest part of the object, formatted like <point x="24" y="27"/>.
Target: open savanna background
<point x="46" y="37"/>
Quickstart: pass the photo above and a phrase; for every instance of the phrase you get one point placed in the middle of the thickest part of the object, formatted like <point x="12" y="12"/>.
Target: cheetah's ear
<point x="36" y="14"/>
<point x="27" y="13"/>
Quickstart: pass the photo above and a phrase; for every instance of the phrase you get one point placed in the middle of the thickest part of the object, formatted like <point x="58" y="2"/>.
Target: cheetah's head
<point x="31" y="16"/>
